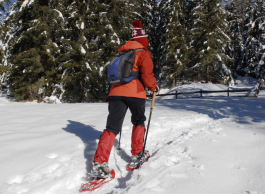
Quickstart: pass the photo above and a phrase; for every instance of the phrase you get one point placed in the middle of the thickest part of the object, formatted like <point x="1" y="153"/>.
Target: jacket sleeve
<point x="146" y="70"/>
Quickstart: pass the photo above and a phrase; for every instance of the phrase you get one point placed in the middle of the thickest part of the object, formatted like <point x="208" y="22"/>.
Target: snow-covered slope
<point x="203" y="146"/>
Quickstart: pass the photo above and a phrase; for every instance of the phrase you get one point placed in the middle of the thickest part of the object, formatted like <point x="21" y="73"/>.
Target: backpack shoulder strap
<point x="136" y="74"/>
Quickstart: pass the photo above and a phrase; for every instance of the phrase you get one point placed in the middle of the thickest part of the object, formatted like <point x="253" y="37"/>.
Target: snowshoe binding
<point x="138" y="160"/>
<point x="100" y="174"/>
<point x="99" y="170"/>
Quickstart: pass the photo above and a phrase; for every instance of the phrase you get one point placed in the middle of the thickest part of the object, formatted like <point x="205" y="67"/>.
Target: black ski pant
<point x="118" y="106"/>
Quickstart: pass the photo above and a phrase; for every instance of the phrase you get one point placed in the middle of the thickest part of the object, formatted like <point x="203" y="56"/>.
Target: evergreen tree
<point x="177" y="49"/>
<point x="2" y="9"/>
<point x="235" y="48"/>
<point x="254" y="39"/>
<point x="247" y="32"/>
<point x="61" y="48"/>
<point x="3" y="67"/>
<point x="35" y="69"/>
<point x="95" y="31"/>
<point x="249" y="43"/>
<point x="241" y="6"/>
<point x="188" y="11"/>
<point x="259" y="69"/>
<point x="73" y="55"/>
<point x="210" y="37"/>
<point x="156" y="21"/>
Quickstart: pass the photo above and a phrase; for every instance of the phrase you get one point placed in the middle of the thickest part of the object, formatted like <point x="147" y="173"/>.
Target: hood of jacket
<point x="131" y="45"/>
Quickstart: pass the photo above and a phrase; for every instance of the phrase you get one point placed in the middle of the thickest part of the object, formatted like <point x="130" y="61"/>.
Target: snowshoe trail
<point x="167" y="147"/>
<point x="195" y="145"/>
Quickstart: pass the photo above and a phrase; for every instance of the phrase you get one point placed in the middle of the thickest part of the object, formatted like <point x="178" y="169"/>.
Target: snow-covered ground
<point x="197" y="145"/>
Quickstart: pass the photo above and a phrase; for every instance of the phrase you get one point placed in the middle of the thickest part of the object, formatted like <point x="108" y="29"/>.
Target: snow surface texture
<point x="199" y="145"/>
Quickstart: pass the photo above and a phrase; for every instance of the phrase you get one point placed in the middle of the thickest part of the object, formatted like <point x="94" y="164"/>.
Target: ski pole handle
<point x="153" y="100"/>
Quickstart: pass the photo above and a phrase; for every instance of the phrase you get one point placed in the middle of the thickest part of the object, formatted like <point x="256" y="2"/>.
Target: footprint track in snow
<point x="15" y="179"/>
<point x="53" y="168"/>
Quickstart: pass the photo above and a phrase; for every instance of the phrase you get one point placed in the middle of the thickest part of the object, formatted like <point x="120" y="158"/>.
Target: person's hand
<point x="157" y="89"/>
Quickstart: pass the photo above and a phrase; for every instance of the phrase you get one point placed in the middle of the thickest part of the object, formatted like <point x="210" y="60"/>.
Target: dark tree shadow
<point x="88" y="135"/>
<point x="221" y="107"/>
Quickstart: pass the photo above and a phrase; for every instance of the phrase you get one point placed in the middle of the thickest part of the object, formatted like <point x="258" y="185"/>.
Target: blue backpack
<point x="120" y="69"/>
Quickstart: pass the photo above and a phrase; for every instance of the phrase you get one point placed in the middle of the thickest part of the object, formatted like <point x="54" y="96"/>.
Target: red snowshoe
<point x="138" y="160"/>
<point x="96" y="182"/>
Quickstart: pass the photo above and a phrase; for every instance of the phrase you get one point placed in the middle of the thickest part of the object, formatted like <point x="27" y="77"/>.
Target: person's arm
<point x="147" y="75"/>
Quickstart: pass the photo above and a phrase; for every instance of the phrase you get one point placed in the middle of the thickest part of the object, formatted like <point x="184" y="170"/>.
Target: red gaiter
<point x="105" y="144"/>
<point x="137" y="140"/>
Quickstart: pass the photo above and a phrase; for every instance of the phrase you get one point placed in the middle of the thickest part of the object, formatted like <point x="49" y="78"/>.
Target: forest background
<point x="62" y="47"/>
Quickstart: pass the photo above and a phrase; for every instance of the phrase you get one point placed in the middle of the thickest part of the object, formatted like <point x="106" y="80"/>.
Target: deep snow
<point x="197" y="145"/>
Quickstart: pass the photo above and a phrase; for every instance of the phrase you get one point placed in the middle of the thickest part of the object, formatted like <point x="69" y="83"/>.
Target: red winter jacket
<point x="143" y="63"/>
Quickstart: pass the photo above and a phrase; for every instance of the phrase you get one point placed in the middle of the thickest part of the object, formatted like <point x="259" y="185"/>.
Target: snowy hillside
<point x="198" y="145"/>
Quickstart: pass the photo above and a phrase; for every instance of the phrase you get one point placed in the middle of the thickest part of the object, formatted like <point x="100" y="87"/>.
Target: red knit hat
<point x="138" y="34"/>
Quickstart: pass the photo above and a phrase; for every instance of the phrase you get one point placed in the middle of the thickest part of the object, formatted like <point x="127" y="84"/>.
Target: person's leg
<point x="117" y="111"/>
<point x="137" y="108"/>
<point x="137" y="140"/>
<point x="105" y="144"/>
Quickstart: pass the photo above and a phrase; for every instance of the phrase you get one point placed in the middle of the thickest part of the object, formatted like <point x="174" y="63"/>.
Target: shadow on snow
<point x="88" y="135"/>
<point x="244" y="110"/>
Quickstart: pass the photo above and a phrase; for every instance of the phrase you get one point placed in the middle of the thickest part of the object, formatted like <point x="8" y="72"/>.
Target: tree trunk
<point x="80" y="97"/>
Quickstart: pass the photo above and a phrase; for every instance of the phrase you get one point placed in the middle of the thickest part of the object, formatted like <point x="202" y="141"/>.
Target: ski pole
<point x="151" y="109"/>
<point x="119" y="147"/>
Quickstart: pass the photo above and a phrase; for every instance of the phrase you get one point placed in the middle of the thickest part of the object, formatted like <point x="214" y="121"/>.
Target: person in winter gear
<point x="131" y="95"/>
